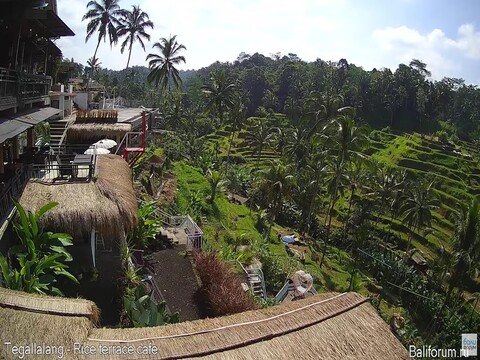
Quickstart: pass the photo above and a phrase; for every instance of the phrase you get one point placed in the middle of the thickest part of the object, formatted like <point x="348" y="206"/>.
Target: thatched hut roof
<point x="56" y="321"/>
<point x="108" y="203"/>
<point x="326" y="326"/>
<point x="83" y="133"/>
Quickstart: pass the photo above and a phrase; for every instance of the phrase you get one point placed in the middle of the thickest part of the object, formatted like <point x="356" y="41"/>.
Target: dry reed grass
<point x="108" y="204"/>
<point x="82" y="133"/>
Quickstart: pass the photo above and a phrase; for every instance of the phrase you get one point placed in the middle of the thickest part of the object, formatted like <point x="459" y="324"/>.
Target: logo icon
<point x="469" y="344"/>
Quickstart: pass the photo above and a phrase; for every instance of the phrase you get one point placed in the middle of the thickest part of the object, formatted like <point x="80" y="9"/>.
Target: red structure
<point x="132" y="153"/>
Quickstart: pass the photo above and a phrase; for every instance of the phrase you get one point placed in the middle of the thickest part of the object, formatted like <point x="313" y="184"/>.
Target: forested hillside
<point x="405" y="98"/>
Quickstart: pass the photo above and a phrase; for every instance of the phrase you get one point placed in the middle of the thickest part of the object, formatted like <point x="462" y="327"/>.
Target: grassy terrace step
<point x="429" y="167"/>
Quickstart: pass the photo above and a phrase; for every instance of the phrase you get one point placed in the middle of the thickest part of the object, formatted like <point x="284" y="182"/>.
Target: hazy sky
<point x="369" y="33"/>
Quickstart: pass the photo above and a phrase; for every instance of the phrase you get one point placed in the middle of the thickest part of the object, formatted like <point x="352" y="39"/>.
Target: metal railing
<point x="54" y="172"/>
<point x="186" y="223"/>
<point x="131" y="139"/>
<point x="12" y="189"/>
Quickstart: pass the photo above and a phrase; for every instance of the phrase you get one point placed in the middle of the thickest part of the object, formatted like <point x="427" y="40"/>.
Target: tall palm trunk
<point x="129" y="55"/>
<point x="229" y="149"/>
<point x="350" y="203"/>
<point x="440" y="312"/>
<point x="91" y="72"/>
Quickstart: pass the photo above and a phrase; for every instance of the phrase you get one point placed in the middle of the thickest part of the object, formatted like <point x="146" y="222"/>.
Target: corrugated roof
<point x="10" y="128"/>
<point x="20" y="122"/>
<point x="36" y="116"/>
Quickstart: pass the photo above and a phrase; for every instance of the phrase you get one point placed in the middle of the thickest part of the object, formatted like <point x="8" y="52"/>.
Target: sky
<point x="445" y="34"/>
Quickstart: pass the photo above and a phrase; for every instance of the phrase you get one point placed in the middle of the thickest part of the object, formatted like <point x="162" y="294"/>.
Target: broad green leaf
<point x="45" y="208"/>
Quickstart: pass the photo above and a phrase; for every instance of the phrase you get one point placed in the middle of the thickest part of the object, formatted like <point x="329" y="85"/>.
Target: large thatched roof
<point x="27" y="318"/>
<point x="108" y="203"/>
<point x="327" y="326"/>
<point x="82" y="133"/>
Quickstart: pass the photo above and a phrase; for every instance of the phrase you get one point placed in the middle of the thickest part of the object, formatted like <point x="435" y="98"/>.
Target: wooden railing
<point x="33" y="86"/>
<point x="15" y="85"/>
<point x="12" y="189"/>
<point x="8" y="88"/>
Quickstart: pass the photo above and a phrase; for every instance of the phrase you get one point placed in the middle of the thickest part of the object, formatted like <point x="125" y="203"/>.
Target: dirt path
<point x="173" y="275"/>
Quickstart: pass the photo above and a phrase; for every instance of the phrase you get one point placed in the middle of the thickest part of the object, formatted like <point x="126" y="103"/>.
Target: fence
<point x="186" y="223"/>
<point x="12" y="189"/>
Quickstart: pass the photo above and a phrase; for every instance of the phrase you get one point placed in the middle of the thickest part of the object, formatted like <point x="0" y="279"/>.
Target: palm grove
<point x="308" y="163"/>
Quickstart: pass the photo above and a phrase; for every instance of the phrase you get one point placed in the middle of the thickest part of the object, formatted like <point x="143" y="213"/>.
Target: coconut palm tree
<point x="260" y="137"/>
<point x="133" y="25"/>
<point x="103" y="17"/>
<point x="237" y="118"/>
<point x="93" y="65"/>
<point x="276" y="183"/>
<point x="464" y="264"/>
<point x="344" y="140"/>
<point x="417" y="207"/>
<point x="162" y="66"/>
<point x="220" y="93"/>
<point x="217" y="184"/>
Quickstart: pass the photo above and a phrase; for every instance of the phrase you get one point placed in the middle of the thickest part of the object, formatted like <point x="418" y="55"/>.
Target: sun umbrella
<point x="105" y="144"/>
<point x="98" y="151"/>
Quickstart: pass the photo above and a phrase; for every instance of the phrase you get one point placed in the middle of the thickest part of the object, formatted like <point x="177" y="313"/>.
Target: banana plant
<point x="144" y="312"/>
<point x="40" y="256"/>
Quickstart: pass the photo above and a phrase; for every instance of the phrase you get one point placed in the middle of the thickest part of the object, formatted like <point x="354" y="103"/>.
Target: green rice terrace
<point x="371" y="231"/>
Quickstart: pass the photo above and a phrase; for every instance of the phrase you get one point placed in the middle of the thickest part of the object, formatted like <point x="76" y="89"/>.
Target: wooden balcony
<point x="32" y="87"/>
<point x="49" y="170"/>
<point x="17" y="88"/>
<point x="8" y="89"/>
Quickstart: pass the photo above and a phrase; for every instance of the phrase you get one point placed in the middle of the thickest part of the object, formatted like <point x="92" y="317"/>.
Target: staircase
<point x="133" y="144"/>
<point x="57" y="129"/>
<point x="182" y="230"/>
<point x="256" y="282"/>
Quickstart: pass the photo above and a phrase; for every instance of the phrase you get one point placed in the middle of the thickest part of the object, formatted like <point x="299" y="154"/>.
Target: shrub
<point x="221" y="286"/>
<point x="142" y="311"/>
<point x="442" y="136"/>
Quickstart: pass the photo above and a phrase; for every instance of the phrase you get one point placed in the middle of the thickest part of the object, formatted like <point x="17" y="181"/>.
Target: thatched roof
<point x="53" y="320"/>
<point x="49" y="305"/>
<point x="108" y="203"/>
<point x="81" y="133"/>
<point x="326" y="326"/>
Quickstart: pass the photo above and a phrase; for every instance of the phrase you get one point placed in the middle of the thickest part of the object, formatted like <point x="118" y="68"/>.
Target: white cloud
<point x="328" y="29"/>
<point x="443" y="55"/>
<point x="219" y="30"/>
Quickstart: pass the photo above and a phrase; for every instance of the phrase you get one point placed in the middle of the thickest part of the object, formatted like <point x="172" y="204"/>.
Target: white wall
<point x="81" y="100"/>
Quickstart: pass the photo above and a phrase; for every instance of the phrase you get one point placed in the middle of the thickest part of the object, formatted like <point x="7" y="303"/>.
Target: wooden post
<point x="2" y="168"/>
<point x="30" y="137"/>
<point x="15" y="149"/>
<point x="144" y="128"/>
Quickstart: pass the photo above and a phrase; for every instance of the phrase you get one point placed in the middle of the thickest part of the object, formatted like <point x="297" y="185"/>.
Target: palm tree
<point x="260" y="138"/>
<point x="276" y="184"/>
<point x="344" y="141"/>
<point x="103" y="16"/>
<point x="93" y="65"/>
<point x="162" y="66"/>
<point x="307" y="191"/>
<point x="324" y="108"/>
<point x="417" y="207"/>
<point x="133" y="25"/>
<point x="220" y="93"/>
<point x="237" y="118"/>
<point x="216" y="183"/>
<point x="465" y="255"/>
